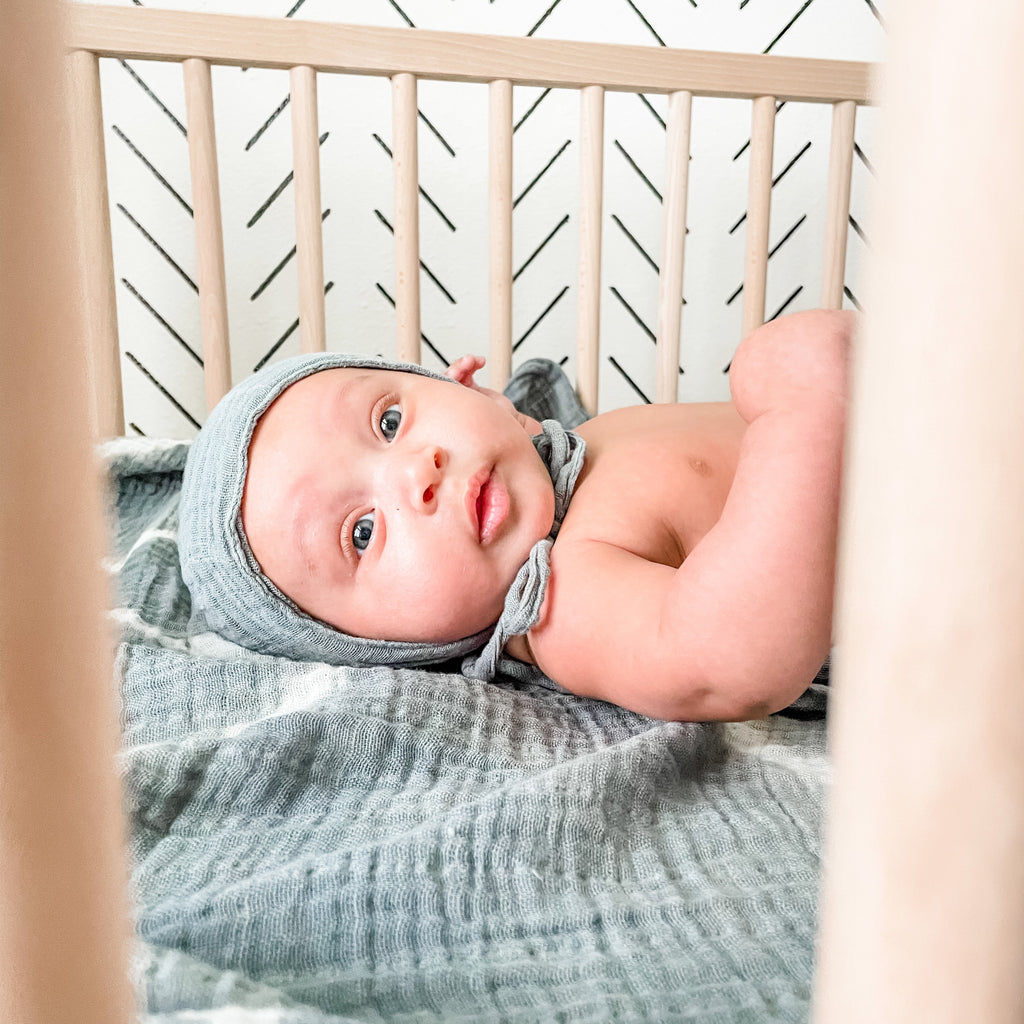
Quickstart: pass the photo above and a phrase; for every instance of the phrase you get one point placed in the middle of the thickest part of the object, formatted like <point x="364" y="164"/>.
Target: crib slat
<point x="64" y="913"/>
<point x="501" y="232"/>
<point x="670" y="282"/>
<point x="309" y="246"/>
<point x="837" y="216"/>
<point x="407" y="217"/>
<point x="213" y="302"/>
<point x="591" y="188"/>
<point x="96" y="260"/>
<point x="759" y="200"/>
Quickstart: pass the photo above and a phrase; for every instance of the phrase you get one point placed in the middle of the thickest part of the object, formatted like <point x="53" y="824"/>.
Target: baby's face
<point x="391" y="505"/>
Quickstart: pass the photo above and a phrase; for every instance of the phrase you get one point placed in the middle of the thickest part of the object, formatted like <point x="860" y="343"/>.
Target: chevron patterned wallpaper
<point x="152" y="221"/>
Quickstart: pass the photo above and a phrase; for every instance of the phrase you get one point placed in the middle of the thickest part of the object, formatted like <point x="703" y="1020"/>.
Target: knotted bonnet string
<point x="233" y="598"/>
<point x="562" y="452"/>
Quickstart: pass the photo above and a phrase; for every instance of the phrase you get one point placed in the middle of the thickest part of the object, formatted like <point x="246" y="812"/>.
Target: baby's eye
<point x="389" y="421"/>
<point x="362" y="533"/>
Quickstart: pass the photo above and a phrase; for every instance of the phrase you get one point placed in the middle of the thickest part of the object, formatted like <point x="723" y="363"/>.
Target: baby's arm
<point x="740" y="628"/>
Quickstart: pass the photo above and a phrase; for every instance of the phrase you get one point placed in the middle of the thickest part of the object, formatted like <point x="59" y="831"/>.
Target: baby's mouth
<point x="490" y="504"/>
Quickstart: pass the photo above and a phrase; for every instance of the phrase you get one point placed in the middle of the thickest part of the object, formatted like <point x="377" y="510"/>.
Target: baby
<point x="367" y="512"/>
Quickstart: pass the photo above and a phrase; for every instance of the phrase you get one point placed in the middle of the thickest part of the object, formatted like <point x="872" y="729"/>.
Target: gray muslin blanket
<point x="314" y="844"/>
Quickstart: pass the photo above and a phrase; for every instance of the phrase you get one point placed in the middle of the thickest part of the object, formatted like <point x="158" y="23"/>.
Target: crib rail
<point x="307" y="49"/>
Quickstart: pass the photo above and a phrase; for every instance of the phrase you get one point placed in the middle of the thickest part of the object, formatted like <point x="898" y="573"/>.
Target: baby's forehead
<point x="336" y="385"/>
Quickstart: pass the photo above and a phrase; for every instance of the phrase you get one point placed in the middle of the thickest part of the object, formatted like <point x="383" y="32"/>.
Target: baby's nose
<point x="425" y="472"/>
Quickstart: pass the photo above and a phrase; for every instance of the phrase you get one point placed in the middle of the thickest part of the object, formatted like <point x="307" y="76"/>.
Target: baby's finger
<point x="463" y="368"/>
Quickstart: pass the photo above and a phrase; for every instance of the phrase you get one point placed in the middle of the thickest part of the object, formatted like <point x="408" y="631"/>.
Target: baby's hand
<point x="463" y="370"/>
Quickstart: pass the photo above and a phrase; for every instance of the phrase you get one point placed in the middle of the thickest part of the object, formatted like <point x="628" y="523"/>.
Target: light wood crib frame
<point x="922" y="914"/>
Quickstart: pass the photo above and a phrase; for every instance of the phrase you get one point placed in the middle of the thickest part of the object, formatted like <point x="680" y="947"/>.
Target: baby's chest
<point x="655" y="497"/>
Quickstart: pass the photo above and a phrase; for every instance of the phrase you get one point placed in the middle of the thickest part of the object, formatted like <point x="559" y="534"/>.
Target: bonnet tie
<point x="562" y="453"/>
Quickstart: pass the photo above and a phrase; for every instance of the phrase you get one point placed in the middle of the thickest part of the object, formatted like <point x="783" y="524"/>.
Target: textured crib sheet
<point x="315" y="844"/>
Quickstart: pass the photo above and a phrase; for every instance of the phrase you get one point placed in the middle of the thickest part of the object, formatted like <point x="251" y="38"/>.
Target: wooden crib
<point x="922" y="919"/>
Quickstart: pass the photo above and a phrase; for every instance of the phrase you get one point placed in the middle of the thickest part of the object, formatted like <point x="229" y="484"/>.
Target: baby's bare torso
<point x="655" y="478"/>
<point x="654" y="482"/>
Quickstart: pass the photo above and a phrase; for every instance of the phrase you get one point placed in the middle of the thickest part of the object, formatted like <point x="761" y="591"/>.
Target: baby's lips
<point x="493" y="506"/>
<point x="473" y="489"/>
<point x="487" y="504"/>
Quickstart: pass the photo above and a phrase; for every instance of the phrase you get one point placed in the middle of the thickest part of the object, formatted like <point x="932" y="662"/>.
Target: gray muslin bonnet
<point x="233" y="598"/>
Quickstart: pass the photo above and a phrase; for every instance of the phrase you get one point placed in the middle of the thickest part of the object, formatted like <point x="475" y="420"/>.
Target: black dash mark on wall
<point x="437" y="209"/>
<point x="785" y="170"/>
<point x="153" y="96"/>
<point x="647" y="103"/>
<point x="792" y="21"/>
<point x="133" y="425"/>
<point x="647" y="24"/>
<point x="634" y="314"/>
<point x="533" y="107"/>
<point x="440" y="138"/>
<point x="860" y="233"/>
<point x="554" y="231"/>
<point x="404" y="16"/>
<point x="269" y="121"/>
<point x="160" y="320"/>
<point x="547" y="309"/>
<point x="284" y="337"/>
<point x="639" y="248"/>
<point x="629" y="380"/>
<point x="544" y="17"/>
<point x="867" y="163"/>
<point x="277" y="191"/>
<point x="156" y="174"/>
<point x="874" y="10"/>
<point x="277" y="270"/>
<point x="426" y="341"/>
<point x="159" y="248"/>
<point x="632" y="163"/>
<point x="426" y="270"/>
<point x="852" y="297"/>
<point x="786" y="237"/>
<point x="541" y="173"/>
<point x="298" y="4"/>
<point x="170" y="398"/>
<point x="786" y="304"/>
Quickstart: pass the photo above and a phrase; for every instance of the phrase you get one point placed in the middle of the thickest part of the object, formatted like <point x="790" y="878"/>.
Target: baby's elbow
<point x="767" y="693"/>
<point x="735" y="696"/>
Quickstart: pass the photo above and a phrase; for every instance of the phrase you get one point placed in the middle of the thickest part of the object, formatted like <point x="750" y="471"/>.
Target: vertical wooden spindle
<point x="96" y="254"/>
<point x="837" y="215"/>
<point x="407" y="217"/>
<point x="501" y="232"/>
<point x="309" y="246"/>
<point x="670" y="283"/>
<point x="591" y="188"/>
<point x="755" y="278"/>
<point x="213" y="301"/>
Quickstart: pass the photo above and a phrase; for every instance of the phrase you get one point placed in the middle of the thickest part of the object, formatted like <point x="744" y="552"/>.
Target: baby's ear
<point x="464" y="369"/>
<point x="530" y="425"/>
